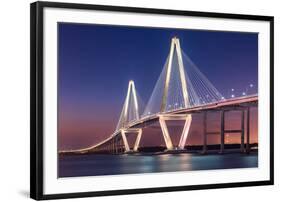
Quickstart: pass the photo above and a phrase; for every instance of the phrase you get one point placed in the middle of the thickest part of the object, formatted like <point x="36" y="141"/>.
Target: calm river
<point x="96" y="164"/>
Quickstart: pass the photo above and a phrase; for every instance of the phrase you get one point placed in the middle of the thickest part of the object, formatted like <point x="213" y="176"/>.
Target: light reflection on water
<point x="92" y="165"/>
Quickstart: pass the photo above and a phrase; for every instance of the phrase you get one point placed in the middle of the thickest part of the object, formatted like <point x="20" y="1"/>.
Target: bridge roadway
<point x="239" y="103"/>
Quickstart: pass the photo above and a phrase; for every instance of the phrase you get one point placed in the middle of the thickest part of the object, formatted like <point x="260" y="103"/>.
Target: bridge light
<point x="222" y="98"/>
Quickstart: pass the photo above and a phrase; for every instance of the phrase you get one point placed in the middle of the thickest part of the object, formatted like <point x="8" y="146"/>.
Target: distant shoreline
<point x="162" y="149"/>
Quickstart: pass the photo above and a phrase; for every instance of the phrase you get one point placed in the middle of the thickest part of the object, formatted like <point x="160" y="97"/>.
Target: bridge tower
<point x="175" y="50"/>
<point x="129" y="114"/>
<point x="175" y="54"/>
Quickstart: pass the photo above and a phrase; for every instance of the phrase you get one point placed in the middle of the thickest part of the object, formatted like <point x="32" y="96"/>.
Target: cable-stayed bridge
<point x="180" y="91"/>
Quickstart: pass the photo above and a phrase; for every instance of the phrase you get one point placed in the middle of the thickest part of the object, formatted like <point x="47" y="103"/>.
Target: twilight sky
<point x="96" y="63"/>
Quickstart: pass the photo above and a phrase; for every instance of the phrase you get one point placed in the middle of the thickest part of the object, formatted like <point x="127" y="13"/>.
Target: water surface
<point x="98" y="164"/>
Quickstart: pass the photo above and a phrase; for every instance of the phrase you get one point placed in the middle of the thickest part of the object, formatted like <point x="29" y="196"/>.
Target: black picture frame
<point x="36" y="98"/>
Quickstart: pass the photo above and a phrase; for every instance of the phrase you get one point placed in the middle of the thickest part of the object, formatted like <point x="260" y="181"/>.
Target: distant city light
<point x="251" y="85"/>
<point x="232" y="89"/>
<point x="243" y="93"/>
<point x="232" y="95"/>
<point x="222" y="98"/>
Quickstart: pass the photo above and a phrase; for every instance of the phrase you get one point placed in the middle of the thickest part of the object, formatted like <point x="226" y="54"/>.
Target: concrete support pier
<point x="248" y="131"/>
<point x="204" y="133"/>
<point x="242" y="132"/>
<point x="222" y="131"/>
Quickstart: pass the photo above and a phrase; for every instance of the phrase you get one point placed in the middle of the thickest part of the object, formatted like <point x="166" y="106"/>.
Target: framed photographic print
<point x="134" y="100"/>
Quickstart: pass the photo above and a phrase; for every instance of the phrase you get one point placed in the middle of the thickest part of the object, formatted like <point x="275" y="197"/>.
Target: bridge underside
<point x="118" y="143"/>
